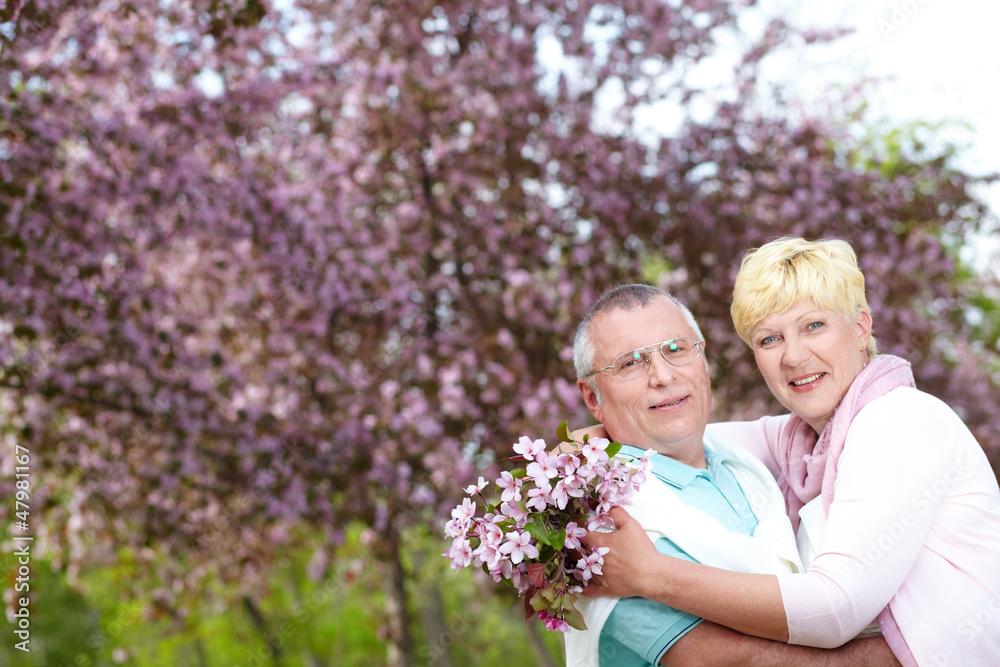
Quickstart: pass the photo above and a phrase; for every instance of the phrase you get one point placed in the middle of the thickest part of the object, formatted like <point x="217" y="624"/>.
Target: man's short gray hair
<point x="623" y="297"/>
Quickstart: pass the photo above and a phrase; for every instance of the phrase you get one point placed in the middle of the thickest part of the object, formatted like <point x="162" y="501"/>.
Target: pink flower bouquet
<point x="529" y="538"/>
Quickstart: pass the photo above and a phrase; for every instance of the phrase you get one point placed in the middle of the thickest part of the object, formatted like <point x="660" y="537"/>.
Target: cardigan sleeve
<point x="898" y="462"/>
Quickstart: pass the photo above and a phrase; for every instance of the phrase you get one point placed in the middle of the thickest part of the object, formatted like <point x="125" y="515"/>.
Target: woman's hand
<point x="630" y="555"/>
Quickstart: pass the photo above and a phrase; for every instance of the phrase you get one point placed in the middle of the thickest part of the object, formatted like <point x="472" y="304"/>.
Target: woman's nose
<point x="796" y="353"/>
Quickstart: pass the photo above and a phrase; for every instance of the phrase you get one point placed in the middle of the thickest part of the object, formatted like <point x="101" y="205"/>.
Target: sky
<point x="933" y="60"/>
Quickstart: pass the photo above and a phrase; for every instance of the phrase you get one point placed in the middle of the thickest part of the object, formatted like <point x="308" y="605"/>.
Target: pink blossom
<point x="589" y="471"/>
<point x="519" y="577"/>
<point x="573" y="535"/>
<point x="456" y="527"/>
<point x="511" y="487"/>
<point x="538" y="498"/>
<point x="568" y="462"/>
<point x="591" y="564"/>
<point x="466" y="510"/>
<point x="528" y="448"/>
<point x="544" y="468"/>
<point x="514" y="512"/>
<point x="488" y="555"/>
<point x="489" y="532"/>
<point x="594" y="450"/>
<point x="559" y="495"/>
<point x="553" y="623"/>
<point x="519" y="546"/>
<point x="501" y="569"/>
<point x="460" y="553"/>
<point x="476" y="488"/>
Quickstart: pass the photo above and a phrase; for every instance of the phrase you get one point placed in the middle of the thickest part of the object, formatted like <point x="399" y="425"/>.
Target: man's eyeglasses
<point x="634" y="364"/>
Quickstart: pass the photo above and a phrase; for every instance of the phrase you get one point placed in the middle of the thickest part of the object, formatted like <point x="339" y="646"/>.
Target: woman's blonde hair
<point x="781" y="273"/>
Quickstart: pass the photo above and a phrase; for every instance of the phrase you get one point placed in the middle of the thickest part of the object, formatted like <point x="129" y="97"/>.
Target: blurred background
<point x="278" y="280"/>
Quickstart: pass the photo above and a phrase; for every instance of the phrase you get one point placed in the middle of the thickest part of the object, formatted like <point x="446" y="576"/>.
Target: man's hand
<point x="631" y="551"/>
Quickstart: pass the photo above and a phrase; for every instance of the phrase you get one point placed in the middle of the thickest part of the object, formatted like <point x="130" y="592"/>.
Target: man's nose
<point x="660" y="371"/>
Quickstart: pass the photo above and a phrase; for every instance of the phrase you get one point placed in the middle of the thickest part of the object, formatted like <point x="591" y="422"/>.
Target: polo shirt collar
<point x="673" y="472"/>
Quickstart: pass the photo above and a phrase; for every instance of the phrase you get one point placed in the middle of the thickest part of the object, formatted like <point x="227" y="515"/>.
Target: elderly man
<point x="639" y="358"/>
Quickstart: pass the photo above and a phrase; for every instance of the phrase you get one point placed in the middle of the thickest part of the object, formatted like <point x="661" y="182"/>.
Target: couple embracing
<point x="863" y="528"/>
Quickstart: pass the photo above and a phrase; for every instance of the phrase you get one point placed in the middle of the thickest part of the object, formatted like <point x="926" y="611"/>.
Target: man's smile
<point x="668" y="403"/>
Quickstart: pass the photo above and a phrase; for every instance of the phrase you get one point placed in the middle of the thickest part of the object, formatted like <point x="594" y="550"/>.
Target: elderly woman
<point x="895" y="507"/>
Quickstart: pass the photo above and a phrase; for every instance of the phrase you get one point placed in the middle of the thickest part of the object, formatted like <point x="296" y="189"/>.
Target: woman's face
<point x="809" y="357"/>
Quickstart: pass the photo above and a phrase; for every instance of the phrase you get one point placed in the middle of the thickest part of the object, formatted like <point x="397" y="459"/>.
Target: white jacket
<point x="771" y="549"/>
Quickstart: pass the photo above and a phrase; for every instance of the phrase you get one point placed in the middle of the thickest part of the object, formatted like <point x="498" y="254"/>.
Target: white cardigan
<point x="771" y="549"/>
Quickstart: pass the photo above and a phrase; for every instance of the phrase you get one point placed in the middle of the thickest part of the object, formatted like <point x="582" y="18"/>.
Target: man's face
<point x="667" y="408"/>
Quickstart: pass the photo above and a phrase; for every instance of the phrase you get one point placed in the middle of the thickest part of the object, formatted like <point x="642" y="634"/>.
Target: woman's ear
<point x="863" y="321"/>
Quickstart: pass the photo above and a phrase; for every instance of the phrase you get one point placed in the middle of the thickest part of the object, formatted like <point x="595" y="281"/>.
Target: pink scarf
<point x="808" y="466"/>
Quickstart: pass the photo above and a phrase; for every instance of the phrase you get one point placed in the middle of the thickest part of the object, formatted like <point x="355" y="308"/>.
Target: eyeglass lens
<point x="678" y="352"/>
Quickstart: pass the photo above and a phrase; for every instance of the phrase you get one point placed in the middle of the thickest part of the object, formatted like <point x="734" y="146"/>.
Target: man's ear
<point x="590" y="398"/>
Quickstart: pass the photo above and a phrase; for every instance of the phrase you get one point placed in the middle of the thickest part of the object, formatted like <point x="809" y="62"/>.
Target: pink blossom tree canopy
<point x="269" y="269"/>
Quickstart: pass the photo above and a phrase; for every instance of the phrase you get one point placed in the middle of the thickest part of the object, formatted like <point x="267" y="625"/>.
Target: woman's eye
<point x="767" y="341"/>
<point x="815" y="325"/>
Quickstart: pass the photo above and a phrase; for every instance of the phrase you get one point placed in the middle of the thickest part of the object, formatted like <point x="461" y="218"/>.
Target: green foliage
<point x="334" y="619"/>
<point x="562" y="432"/>
<point x="61" y="619"/>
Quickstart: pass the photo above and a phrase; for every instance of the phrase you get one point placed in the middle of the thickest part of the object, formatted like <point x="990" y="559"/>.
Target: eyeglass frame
<point x="659" y="348"/>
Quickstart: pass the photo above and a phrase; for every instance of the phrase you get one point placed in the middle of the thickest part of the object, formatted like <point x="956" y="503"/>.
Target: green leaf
<point x="538" y="602"/>
<point x="563" y="432"/>
<point x="572" y="616"/>
<point x="586" y="438"/>
<point x="518" y="472"/>
<point x="558" y="538"/>
<point x="612" y="449"/>
<point x="538" y="532"/>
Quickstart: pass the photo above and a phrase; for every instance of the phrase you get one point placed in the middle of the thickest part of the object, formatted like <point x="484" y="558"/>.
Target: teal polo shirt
<point x="640" y="631"/>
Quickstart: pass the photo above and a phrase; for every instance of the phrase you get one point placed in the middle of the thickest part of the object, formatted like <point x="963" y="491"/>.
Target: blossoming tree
<point x="266" y="270"/>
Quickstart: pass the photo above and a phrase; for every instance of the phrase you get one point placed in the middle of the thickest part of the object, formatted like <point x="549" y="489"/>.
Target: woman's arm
<point x="893" y="475"/>
<point x="748" y="603"/>
<point x="759" y="437"/>
<point x="635" y="568"/>
<point x="897" y="468"/>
